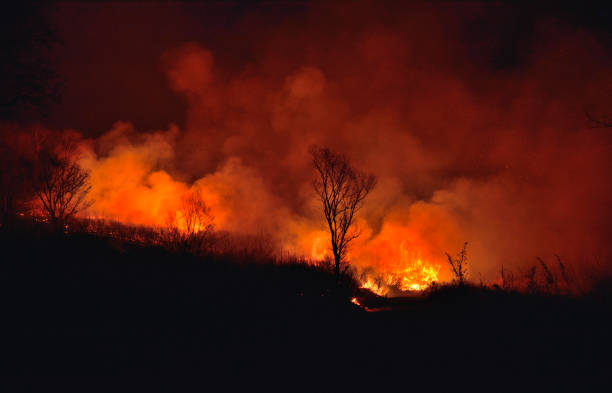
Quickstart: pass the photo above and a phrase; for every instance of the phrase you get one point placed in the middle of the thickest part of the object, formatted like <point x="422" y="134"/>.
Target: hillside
<point x="81" y="304"/>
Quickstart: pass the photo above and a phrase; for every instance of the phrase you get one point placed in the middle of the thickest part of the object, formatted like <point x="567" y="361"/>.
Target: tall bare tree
<point x="341" y="189"/>
<point x="60" y="184"/>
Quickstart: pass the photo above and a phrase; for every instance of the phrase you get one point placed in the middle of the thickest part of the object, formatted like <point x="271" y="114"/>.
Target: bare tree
<point x="195" y="213"/>
<point x="60" y="184"/>
<point x="193" y="226"/>
<point x="341" y="189"/>
<point x="459" y="264"/>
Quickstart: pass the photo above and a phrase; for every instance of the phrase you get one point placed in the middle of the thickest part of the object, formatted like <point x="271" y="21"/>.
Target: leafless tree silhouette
<point x="193" y="227"/>
<point x="341" y="189"/>
<point x="195" y="212"/>
<point x="459" y="264"/>
<point x="60" y="184"/>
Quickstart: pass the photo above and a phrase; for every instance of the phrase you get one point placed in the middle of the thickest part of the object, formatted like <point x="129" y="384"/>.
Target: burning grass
<point x="409" y="275"/>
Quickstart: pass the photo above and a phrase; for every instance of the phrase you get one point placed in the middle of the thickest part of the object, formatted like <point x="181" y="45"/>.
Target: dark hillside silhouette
<point x="157" y="220"/>
<point x="83" y="303"/>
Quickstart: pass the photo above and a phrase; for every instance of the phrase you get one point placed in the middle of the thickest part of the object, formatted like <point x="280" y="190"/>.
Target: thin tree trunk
<point x="337" y="268"/>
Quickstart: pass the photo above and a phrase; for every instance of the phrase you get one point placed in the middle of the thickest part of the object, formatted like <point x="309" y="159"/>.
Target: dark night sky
<point x="121" y="45"/>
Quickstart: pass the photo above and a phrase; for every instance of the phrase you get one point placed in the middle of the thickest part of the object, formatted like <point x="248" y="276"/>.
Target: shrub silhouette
<point x="459" y="265"/>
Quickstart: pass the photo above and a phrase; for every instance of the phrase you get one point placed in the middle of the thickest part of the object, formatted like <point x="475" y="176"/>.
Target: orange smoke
<point x="475" y="134"/>
<point x="130" y="186"/>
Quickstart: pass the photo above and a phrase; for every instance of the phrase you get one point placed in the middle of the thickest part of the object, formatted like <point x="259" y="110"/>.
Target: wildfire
<point x="376" y="286"/>
<point x="408" y="273"/>
<point x="418" y="276"/>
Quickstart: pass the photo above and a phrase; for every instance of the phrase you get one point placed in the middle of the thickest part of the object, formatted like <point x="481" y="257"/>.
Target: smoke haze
<point x="471" y="117"/>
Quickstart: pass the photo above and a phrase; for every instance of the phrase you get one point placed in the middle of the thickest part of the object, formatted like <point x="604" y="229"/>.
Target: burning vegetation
<point x="486" y="169"/>
<point x="379" y="191"/>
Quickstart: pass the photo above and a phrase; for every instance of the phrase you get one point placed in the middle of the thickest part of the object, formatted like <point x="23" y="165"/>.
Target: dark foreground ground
<point x="85" y="313"/>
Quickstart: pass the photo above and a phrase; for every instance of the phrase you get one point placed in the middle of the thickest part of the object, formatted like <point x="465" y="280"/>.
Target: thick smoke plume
<point x="473" y="136"/>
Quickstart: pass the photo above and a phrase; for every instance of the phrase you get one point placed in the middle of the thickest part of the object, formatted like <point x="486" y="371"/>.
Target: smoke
<point x="474" y="135"/>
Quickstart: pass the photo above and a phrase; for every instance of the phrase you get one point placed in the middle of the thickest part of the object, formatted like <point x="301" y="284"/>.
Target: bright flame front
<point x="407" y="273"/>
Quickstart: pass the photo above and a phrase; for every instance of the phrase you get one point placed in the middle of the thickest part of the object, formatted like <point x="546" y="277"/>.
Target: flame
<point x="478" y="173"/>
<point x="418" y="276"/>
<point x="129" y="186"/>
<point x="378" y="288"/>
<point x="408" y="273"/>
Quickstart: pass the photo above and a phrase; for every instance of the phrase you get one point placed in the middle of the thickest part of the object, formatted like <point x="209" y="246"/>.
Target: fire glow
<point x="130" y="186"/>
<point x="408" y="275"/>
<point x="464" y="148"/>
<point x="141" y="195"/>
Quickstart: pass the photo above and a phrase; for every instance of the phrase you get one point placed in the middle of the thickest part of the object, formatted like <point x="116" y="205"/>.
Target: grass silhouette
<point x="87" y="303"/>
